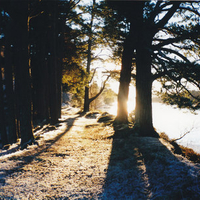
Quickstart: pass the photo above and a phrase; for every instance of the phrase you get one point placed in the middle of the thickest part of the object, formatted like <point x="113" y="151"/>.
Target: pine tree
<point x="3" y="134"/>
<point x="9" y="86"/>
<point x="48" y="30"/>
<point x="34" y="37"/>
<point x="7" y="94"/>
<point x="92" y="37"/>
<point x="19" y="16"/>
<point x="159" y="56"/>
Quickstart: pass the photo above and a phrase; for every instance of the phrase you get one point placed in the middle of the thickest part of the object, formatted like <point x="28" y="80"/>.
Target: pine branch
<point x="158" y="9"/>
<point x="167" y="17"/>
<point x="164" y="42"/>
<point x="191" y="10"/>
<point x="176" y="53"/>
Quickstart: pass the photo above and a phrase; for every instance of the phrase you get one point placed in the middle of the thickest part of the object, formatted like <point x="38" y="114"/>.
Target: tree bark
<point x="143" y="117"/>
<point x="20" y="17"/>
<point x="40" y="68"/>
<point x="10" y="100"/>
<point x="54" y="67"/>
<point x="125" y="78"/>
<point x="143" y="110"/>
<point x="86" y="99"/>
<point x="89" y="59"/>
<point x="3" y="135"/>
<point x="41" y="82"/>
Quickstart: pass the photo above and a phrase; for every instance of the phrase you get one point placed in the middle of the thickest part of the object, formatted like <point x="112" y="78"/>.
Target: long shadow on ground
<point x="144" y="168"/>
<point x="29" y="157"/>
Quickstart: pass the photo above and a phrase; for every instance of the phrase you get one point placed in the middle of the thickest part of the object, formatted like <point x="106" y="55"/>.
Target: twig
<point x="174" y="140"/>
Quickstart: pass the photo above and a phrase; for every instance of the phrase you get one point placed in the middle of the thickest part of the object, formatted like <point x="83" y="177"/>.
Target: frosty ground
<point x="79" y="159"/>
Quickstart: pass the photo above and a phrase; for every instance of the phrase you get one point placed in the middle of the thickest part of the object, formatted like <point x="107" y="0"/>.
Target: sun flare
<point x="130" y="104"/>
<point x="130" y="107"/>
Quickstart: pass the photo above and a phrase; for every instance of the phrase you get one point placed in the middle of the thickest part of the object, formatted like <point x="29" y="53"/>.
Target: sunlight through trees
<point x="50" y="46"/>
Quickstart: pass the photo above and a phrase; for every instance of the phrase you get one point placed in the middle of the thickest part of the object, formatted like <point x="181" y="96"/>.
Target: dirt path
<point x="73" y="167"/>
<point x="83" y="162"/>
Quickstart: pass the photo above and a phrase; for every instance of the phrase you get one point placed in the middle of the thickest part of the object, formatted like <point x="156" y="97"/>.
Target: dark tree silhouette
<point x="9" y="86"/>
<point x="152" y="52"/>
<point x="19" y="15"/>
<point x="3" y="135"/>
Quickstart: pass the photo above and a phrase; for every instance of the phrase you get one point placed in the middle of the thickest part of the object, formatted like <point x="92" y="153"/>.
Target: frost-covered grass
<point x="80" y="159"/>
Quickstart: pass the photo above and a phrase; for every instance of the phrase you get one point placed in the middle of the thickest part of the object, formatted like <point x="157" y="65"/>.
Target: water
<point x="174" y="122"/>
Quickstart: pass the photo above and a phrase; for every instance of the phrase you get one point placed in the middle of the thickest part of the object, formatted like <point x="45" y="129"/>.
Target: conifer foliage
<point x="46" y="42"/>
<point x="32" y="51"/>
<point x="164" y="42"/>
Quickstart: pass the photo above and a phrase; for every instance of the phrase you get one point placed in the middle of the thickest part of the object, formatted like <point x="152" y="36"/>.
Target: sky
<point x="104" y="53"/>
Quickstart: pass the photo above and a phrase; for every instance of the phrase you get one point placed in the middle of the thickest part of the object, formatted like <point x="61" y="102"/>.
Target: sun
<point x="130" y="104"/>
<point x="131" y="99"/>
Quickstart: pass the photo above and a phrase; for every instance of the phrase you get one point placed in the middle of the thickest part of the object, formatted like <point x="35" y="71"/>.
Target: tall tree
<point x="48" y="30"/>
<point x="7" y="95"/>
<point x="38" y="31"/>
<point x="3" y="134"/>
<point x="7" y="104"/>
<point x="93" y="38"/>
<point x="32" y="71"/>
<point x="9" y="86"/>
<point x="89" y="56"/>
<point x="54" y="67"/>
<point x="127" y="59"/>
<point x="21" y="61"/>
<point x="129" y="13"/>
<point x="157" y="51"/>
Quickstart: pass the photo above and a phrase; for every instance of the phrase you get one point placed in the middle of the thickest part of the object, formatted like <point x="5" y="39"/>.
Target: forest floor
<point x="79" y="159"/>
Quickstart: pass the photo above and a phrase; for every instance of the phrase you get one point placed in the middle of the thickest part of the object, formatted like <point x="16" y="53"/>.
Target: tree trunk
<point x="3" y="135"/>
<point x="59" y="83"/>
<point x="40" y="67"/>
<point x="59" y="86"/>
<point x="89" y="59"/>
<point x="143" y="117"/>
<point x="125" y="78"/>
<point x="54" y="87"/>
<point x="10" y="114"/>
<point x="86" y="99"/>
<point x="40" y="81"/>
<point x="20" y="17"/>
<point x="143" y="110"/>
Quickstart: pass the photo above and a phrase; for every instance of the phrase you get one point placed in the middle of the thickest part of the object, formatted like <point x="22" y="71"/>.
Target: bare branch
<point x="93" y="74"/>
<point x="73" y="3"/>
<point x="101" y="90"/>
<point x="174" y="140"/>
